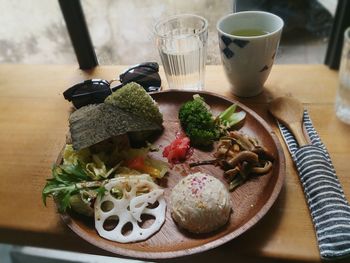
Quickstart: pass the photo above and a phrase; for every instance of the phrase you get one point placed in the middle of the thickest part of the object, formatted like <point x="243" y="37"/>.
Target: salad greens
<point x="81" y="177"/>
<point x="70" y="180"/>
<point x="92" y="164"/>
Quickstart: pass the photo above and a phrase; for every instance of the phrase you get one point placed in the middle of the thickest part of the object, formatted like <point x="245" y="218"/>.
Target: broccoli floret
<point x="202" y="137"/>
<point x="133" y="98"/>
<point x="196" y="111"/>
<point x="200" y="125"/>
<point x="198" y="122"/>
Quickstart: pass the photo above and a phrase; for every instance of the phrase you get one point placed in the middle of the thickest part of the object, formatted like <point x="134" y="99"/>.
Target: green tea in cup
<point x="248" y="44"/>
<point x="249" y="32"/>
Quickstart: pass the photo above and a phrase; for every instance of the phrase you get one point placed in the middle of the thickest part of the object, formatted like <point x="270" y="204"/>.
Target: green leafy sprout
<point x="68" y="180"/>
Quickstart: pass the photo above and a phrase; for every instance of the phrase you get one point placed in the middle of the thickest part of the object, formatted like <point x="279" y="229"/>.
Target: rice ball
<point x="200" y="203"/>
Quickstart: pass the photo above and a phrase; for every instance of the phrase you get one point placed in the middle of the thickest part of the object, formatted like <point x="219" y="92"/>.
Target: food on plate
<point x="200" y="203"/>
<point x="198" y="122"/>
<point x="178" y="150"/>
<point x="103" y="176"/>
<point x="83" y="174"/>
<point x="201" y="126"/>
<point x="136" y="113"/>
<point x="132" y="209"/>
<point x="133" y="98"/>
<point x="241" y="157"/>
<point x="139" y="160"/>
<point x="99" y="167"/>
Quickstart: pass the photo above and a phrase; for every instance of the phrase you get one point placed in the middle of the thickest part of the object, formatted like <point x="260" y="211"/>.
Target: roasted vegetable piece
<point x="141" y="161"/>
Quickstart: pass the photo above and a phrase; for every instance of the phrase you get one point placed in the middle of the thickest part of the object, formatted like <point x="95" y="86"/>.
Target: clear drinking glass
<point x="342" y="102"/>
<point x="182" y="45"/>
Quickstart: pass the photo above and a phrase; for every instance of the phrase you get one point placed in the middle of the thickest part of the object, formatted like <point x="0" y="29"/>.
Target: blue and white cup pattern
<point x="248" y="60"/>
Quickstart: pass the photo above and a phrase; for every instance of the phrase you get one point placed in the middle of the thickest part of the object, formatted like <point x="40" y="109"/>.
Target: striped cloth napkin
<point x="330" y="211"/>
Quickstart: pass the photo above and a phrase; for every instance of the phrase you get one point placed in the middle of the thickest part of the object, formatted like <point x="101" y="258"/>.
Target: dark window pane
<point x="307" y="27"/>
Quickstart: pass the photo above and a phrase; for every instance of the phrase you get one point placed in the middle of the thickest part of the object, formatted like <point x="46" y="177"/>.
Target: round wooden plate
<point x="250" y="202"/>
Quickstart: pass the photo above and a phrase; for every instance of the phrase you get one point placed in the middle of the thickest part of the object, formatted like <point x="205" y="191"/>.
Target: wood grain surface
<point x="33" y="124"/>
<point x="290" y="112"/>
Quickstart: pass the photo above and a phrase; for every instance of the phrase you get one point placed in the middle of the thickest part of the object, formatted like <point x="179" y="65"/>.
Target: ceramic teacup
<point x="248" y="44"/>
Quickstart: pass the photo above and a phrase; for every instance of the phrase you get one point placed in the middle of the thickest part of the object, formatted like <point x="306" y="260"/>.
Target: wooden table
<point x="33" y="124"/>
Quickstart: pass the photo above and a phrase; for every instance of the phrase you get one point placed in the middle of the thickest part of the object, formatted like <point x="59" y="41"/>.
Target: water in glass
<point x="184" y="62"/>
<point x="342" y="103"/>
<point x="182" y="45"/>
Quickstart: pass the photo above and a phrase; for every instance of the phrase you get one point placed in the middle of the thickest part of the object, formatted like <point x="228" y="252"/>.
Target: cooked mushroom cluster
<point x="241" y="157"/>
